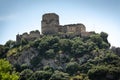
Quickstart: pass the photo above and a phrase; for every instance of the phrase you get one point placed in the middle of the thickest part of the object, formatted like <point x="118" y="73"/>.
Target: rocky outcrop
<point x="23" y="57"/>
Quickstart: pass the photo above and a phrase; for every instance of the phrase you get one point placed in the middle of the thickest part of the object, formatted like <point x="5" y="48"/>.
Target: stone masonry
<point x="28" y="37"/>
<point x="50" y="26"/>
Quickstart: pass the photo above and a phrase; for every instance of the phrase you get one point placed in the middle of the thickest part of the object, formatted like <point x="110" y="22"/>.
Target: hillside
<point x="55" y="57"/>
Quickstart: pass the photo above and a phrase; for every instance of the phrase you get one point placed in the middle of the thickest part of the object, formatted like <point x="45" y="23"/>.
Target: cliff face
<point x="32" y="58"/>
<point x="23" y="57"/>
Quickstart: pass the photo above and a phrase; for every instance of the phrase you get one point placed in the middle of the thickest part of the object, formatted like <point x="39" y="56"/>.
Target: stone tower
<point x="50" y="23"/>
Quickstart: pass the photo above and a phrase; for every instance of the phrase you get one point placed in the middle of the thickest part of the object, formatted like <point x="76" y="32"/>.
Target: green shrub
<point x="41" y="75"/>
<point x="6" y="71"/>
<point x="72" y="68"/>
<point x="57" y="75"/>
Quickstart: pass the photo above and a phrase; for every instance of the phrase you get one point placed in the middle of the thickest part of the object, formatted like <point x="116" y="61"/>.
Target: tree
<point x="104" y="36"/>
<point x="10" y="44"/>
<point x="6" y="71"/>
<point x="65" y="45"/>
<point x="26" y="74"/>
<point x="80" y="76"/>
<point x="90" y="45"/>
<point x="104" y="45"/>
<point x="78" y="48"/>
<point x="47" y="42"/>
<point x="24" y="41"/>
<point x="72" y="68"/>
<point x="41" y="75"/>
<point x="2" y="51"/>
<point x="103" y="72"/>
<point x="48" y="68"/>
<point x="96" y="39"/>
<point x="58" y="75"/>
<point x="50" y="53"/>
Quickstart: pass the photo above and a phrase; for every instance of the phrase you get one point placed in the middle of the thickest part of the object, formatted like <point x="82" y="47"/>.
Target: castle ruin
<point x="50" y="26"/>
<point x="28" y="37"/>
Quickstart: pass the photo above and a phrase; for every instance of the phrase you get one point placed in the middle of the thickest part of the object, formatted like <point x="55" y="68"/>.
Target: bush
<point x="103" y="72"/>
<point x="41" y="75"/>
<point x="35" y="60"/>
<point x="72" y="68"/>
<point x="57" y="75"/>
<point x="26" y="74"/>
<point x="49" y="53"/>
<point x="6" y="71"/>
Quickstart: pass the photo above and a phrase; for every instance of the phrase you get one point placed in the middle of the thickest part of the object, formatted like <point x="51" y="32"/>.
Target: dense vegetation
<point x="6" y="71"/>
<point x="65" y="58"/>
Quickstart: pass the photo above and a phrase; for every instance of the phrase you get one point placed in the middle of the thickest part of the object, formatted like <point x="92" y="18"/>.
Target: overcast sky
<point x="19" y="16"/>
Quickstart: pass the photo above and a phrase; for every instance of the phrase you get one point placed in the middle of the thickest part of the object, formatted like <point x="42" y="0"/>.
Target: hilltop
<point x="58" y="58"/>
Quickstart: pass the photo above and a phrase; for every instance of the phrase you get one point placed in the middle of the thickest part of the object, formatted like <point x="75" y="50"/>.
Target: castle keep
<point x="50" y="26"/>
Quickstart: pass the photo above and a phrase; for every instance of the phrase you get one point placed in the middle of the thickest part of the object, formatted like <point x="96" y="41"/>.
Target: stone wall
<point x="28" y="37"/>
<point x="75" y="28"/>
<point x="50" y="25"/>
<point x="34" y="34"/>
